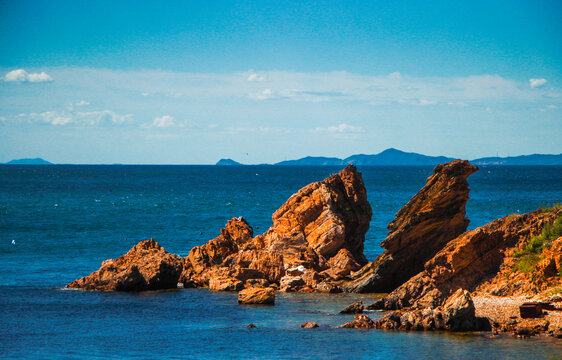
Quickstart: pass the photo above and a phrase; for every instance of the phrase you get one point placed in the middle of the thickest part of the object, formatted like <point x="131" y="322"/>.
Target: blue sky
<point x="191" y="82"/>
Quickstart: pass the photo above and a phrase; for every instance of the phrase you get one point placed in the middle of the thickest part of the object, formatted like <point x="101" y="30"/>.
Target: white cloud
<point x="341" y="128"/>
<point x="168" y="121"/>
<point x="424" y="102"/>
<point x="549" y="108"/>
<point x="256" y="77"/>
<point x="82" y="103"/>
<point x="165" y="121"/>
<point x="537" y="82"/>
<point x="89" y="118"/>
<point x="263" y="95"/>
<point x="21" y="75"/>
<point x="395" y="75"/>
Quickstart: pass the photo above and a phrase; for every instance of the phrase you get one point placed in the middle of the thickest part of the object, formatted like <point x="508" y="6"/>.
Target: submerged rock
<point x="309" y="325"/>
<point x="253" y="295"/>
<point x="432" y="218"/>
<point x="361" y="321"/>
<point x="147" y="266"/>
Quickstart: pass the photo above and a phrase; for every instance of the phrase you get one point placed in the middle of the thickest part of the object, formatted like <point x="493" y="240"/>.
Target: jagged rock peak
<point x="432" y="218"/>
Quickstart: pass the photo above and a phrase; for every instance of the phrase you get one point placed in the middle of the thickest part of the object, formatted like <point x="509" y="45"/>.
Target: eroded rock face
<point x="432" y="218"/>
<point x="478" y="261"/>
<point x="257" y="295"/>
<point x="317" y="236"/>
<point x="147" y="266"/>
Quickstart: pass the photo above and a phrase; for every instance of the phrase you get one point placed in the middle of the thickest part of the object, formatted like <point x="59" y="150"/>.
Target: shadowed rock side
<point x="317" y="237"/>
<point x="480" y="261"/>
<point x="457" y="314"/>
<point x="147" y="266"/>
<point x="433" y="217"/>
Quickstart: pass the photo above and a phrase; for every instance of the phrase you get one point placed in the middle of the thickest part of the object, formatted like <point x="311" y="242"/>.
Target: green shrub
<point x="529" y="256"/>
<point x="528" y="263"/>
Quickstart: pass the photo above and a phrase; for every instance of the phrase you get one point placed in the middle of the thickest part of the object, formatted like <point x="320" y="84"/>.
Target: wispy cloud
<point x="256" y="77"/>
<point x="79" y="118"/>
<point x="340" y="129"/>
<point x="168" y="121"/>
<point x="537" y="82"/>
<point x="21" y="75"/>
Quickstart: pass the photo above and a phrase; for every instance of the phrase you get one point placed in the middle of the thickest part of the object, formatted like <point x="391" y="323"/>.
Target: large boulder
<point x="147" y="266"/>
<point x="257" y="295"/>
<point x="432" y="218"/>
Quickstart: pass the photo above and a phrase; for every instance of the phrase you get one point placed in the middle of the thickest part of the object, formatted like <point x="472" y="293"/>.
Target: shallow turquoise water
<point x="65" y="220"/>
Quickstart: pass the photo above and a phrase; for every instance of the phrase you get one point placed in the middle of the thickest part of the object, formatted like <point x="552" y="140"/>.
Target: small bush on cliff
<point x="530" y="254"/>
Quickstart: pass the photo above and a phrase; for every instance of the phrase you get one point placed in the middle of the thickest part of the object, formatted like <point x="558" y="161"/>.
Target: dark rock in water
<point x="457" y="314"/>
<point x="309" y="325"/>
<point x="355" y="308"/>
<point x="432" y="218"/>
<point x="361" y="321"/>
<point x="251" y="326"/>
<point x="257" y="295"/>
<point x="147" y="266"/>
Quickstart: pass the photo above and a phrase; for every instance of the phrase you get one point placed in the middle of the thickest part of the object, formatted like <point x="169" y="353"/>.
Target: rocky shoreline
<point x="437" y="275"/>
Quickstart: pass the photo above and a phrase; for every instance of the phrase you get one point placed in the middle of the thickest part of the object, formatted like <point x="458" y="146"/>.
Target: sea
<point x="58" y="223"/>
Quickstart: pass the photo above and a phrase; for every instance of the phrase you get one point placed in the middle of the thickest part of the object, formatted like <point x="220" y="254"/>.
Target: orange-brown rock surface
<point x="482" y="261"/>
<point x="432" y="218"/>
<point x="257" y="295"/>
<point x="147" y="266"/>
<point x="317" y="237"/>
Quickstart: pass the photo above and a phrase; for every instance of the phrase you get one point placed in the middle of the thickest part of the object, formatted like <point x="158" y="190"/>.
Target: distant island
<point x="36" y="161"/>
<point x="227" y="162"/>
<point x="395" y="157"/>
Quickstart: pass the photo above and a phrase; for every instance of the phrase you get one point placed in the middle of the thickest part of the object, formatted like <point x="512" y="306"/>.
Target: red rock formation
<point x="432" y="218"/>
<point x="256" y="295"/>
<point x="147" y="266"/>
<point x="480" y="260"/>
<point x="318" y="233"/>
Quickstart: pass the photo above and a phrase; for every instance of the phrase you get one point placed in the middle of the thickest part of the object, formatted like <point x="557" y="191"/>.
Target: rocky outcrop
<point x="432" y="218"/>
<point x="457" y="314"/>
<point x="481" y="261"/>
<point x="317" y="237"/>
<point x="355" y="308"/>
<point x="361" y="321"/>
<point x="147" y="266"/>
<point x="257" y="295"/>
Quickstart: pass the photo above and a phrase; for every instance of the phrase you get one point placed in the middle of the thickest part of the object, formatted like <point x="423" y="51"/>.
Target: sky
<point x="178" y="82"/>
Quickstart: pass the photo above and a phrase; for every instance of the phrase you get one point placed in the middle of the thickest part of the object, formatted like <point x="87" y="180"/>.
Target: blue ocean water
<point x="65" y="220"/>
